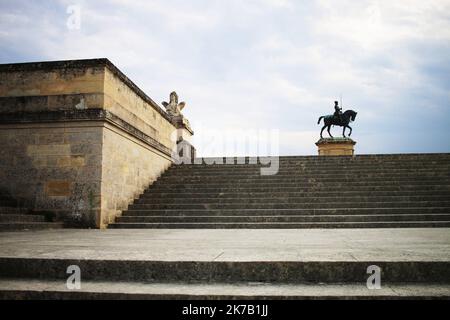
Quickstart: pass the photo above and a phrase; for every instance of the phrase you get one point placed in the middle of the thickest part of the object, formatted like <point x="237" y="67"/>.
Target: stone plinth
<point x="336" y="147"/>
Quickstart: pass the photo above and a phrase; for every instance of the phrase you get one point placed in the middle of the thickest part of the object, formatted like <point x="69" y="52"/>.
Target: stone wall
<point x="80" y="139"/>
<point x="33" y="87"/>
<point x="127" y="104"/>
<point x="129" y="167"/>
<point x="54" y="168"/>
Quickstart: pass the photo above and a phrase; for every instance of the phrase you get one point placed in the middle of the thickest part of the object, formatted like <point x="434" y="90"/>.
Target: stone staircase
<point x="226" y="264"/>
<point x="14" y="217"/>
<point x="364" y="191"/>
<point x="373" y="192"/>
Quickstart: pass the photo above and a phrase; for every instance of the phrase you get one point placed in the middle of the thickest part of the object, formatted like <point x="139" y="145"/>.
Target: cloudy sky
<point x="264" y="65"/>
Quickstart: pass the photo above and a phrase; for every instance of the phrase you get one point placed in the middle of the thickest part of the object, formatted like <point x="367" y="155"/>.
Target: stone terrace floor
<point x="231" y="245"/>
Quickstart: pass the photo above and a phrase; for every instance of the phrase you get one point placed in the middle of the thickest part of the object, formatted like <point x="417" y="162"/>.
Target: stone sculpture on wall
<point x="173" y="108"/>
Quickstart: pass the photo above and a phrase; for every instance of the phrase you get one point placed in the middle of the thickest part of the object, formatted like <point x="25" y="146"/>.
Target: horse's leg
<point x="350" y="131"/>
<point x="322" y="131"/>
<point x="343" y="131"/>
<point x="329" y="126"/>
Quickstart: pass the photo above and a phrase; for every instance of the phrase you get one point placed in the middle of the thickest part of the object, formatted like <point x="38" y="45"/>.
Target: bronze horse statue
<point x="342" y="121"/>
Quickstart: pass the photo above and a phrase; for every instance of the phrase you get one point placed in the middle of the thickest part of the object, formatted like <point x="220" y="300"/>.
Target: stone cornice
<point x="83" y="64"/>
<point x="82" y="115"/>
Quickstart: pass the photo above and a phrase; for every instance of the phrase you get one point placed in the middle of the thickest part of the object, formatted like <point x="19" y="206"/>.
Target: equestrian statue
<point x="339" y="118"/>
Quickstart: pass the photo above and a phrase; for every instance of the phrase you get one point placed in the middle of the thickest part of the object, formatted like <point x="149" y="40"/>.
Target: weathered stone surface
<point x="51" y="176"/>
<point x="336" y="147"/>
<point x="128" y="168"/>
<point x="58" y="188"/>
<point x="24" y="289"/>
<point x="364" y="191"/>
<point x="15" y="216"/>
<point x="232" y="262"/>
<point x="80" y="139"/>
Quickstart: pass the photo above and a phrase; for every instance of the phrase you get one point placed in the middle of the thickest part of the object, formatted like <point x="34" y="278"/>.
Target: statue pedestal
<point x="185" y="151"/>
<point x="336" y="147"/>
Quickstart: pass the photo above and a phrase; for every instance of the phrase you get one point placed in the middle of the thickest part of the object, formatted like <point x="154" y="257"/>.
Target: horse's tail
<point x="320" y="119"/>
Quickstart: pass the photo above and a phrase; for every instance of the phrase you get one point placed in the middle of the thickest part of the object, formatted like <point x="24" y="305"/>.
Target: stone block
<point x="336" y="147"/>
<point x="58" y="188"/>
<point x="48" y="149"/>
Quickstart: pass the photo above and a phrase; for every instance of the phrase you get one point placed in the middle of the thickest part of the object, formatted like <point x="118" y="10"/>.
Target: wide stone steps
<point x="226" y="271"/>
<point x="21" y="218"/>
<point x="306" y="183"/>
<point x="318" y="166"/>
<point x="280" y="212"/>
<point x="156" y="197"/>
<point x="13" y="210"/>
<point x="397" y="158"/>
<point x="285" y="218"/>
<point x="225" y="264"/>
<point x="5" y="202"/>
<point x="14" y="218"/>
<point x="256" y="172"/>
<point x="335" y="169"/>
<point x="273" y="225"/>
<point x="32" y="289"/>
<point x="333" y="165"/>
<point x="296" y="211"/>
<point x="206" y="171"/>
<point x="24" y="226"/>
<point x="303" y="205"/>
<point x="302" y="175"/>
<point x="317" y="188"/>
<point x="300" y="180"/>
<point x="368" y="191"/>
<point x="291" y="199"/>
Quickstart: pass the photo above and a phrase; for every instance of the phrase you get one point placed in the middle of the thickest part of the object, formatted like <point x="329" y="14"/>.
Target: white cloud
<point x="374" y="24"/>
<point x="272" y="64"/>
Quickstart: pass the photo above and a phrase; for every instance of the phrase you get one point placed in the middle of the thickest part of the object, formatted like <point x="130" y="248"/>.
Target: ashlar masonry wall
<point x="80" y="140"/>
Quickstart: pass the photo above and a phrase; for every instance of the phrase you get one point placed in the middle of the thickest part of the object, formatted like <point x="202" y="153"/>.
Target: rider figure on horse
<point x="337" y="111"/>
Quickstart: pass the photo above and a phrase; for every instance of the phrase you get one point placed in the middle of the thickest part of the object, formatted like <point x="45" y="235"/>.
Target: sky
<point x="268" y="68"/>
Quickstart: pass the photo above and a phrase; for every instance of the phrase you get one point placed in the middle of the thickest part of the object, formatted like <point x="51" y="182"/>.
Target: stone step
<point x="7" y="202"/>
<point x="293" y="199"/>
<point x="359" y="156"/>
<point x="322" y="271"/>
<point x="313" y="170"/>
<point x="299" y="177"/>
<point x="322" y="162"/>
<point x="317" y="166"/>
<point x="296" y="188"/>
<point x="427" y="158"/>
<point x="313" y="167"/>
<point x="13" y="210"/>
<point x="155" y="197"/>
<point x="284" y="219"/>
<point x="33" y="289"/>
<point x="169" y="175"/>
<point x="281" y="225"/>
<point x="299" y="181"/>
<point x="12" y="218"/>
<point x="297" y="211"/>
<point x="325" y="162"/>
<point x="15" y="226"/>
<point x="331" y="181"/>
<point x="299" y="205"/>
